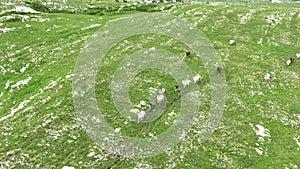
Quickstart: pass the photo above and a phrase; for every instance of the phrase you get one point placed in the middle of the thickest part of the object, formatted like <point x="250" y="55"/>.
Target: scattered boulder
<point x="24" y="9"/>
<point x="231" y="42"/>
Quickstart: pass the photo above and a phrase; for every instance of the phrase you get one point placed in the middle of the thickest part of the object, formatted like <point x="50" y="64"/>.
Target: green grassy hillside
<point x="260" y="127"/>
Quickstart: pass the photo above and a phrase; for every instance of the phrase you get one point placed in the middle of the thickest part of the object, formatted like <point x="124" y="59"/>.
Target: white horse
<point x="141" y="116"/>
<point x="196" y="78"/>
<point x="186" y="83"/>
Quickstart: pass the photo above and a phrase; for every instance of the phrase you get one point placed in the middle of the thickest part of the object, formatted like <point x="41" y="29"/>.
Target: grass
<point x="45" y="133"/>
